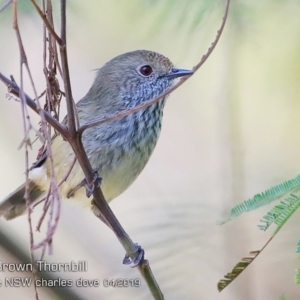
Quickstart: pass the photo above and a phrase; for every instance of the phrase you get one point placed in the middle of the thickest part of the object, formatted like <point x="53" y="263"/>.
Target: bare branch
<point x="27" y="126"/>
<point x="74" y="138"/>
<point x="53" y="202"/>
<point x="5" y="5"/>
<point x="73" y="134"/>
<point x="15" y="90"/>
<point x="46" y="22"/>
<point x="72" y="112"/>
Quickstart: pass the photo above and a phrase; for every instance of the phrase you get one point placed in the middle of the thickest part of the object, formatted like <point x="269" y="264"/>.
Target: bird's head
<point x="134" y="77"/>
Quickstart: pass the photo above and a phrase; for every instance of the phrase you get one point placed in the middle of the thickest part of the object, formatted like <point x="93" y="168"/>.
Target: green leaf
<point x="280" y="213"/>
<point x="288" y="212"/>
<point x="277" y="215"/>
<point x="266" y="197"/>
<point x="297" y="276"/>
<point x="298" y="246"/>
<point x="237" y="270"/>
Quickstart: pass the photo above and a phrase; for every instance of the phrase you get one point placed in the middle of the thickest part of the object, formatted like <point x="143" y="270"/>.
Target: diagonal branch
<point x="5" y="5"/>
<point x="26" y="126"/>
<point x="74" y="139"/>
<point x="15" y="90"/>
<point x="72" y="113"/>
<point x="73" y="136"/>
<point x="47" y="23"/>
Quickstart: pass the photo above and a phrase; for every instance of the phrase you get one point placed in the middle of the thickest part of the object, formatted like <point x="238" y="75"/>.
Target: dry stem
<point x="72" y="133"/>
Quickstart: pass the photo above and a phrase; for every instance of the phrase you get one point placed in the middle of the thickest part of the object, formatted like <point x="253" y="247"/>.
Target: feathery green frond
<point x="265" y="197"/>
<point x="298" y="246"/>
<point x="237" y="270"/>
<point x="297" y="276"/>
<point x="280" y="213"/>
<point x="288" y="212"/>
<point x="242" y="265"/>
<point x="277" y="215"/>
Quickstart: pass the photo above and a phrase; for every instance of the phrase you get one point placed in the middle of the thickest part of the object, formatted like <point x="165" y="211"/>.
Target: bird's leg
<point x="96" y="182"/>
<point x="89" y="189"/>
<point x="138" y="249"/>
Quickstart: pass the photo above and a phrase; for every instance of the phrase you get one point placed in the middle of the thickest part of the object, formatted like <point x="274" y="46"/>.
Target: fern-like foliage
<point x="297" y="276"/>
<point x="298" y="247"/>
<point x="288" y="212"/>
<point x="237" y="270"/>
<point x="241" y="266"/>
<point x="265" y="197"/>
<point x="280" y="213"/>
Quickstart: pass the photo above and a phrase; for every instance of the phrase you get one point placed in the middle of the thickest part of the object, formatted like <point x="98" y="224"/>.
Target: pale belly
<point x="116" y="176"/>
<point x="119" y="156"/>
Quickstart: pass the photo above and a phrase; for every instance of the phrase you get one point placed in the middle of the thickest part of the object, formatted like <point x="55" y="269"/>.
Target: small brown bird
<point x="120" y="149"/>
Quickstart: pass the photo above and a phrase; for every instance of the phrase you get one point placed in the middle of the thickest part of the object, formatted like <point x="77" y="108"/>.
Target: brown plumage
<point x="120" y="149"/>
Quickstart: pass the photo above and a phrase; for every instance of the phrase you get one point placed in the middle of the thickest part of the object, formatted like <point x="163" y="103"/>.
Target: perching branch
<point x="74" y="138"/>
<point x="47" y="23"/>
<point x="72" y="133"/>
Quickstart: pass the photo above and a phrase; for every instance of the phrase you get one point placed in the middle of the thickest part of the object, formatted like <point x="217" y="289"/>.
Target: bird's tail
<point x="14" y="204"/>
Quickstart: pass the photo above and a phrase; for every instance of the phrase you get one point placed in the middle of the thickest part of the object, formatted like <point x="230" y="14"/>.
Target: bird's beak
<point x="174" y="73"/>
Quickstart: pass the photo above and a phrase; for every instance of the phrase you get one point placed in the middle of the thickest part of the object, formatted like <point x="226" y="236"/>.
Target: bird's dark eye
<point x="146" y="70"/>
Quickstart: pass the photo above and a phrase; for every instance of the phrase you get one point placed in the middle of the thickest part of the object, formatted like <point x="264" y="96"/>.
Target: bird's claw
<point x="137" y="260"/>
<point x="96" y="182"/>
<point x="88" y="189"/>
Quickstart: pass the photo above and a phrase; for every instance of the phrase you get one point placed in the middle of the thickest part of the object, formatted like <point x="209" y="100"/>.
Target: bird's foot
<point x="88" y="189"/>
<point x="136" y="261"/>
<point x="96" y="182"/>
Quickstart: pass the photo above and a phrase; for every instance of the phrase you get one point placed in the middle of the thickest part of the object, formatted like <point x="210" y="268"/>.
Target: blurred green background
<point x="231" y="131"/>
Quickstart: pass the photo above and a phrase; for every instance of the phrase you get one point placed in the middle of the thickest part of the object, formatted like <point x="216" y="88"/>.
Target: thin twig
<point x="54" y="214"/>
<point x="68" y="173"/>
<point x="26" y="125"/>
<point x="72" y="112"/>
<point x="5" y="5"/>
<point x="46" y="206"/>
<point x="46" y="22"/>
<point x="55" y="196"/>
<point x="77" y="146"/>
<point x="52" y="40"/>
<point x="45" y="209"/>
<point x="15" y="90"/>
<point x="150" y="102"/>
<point x="74" y="138"/>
